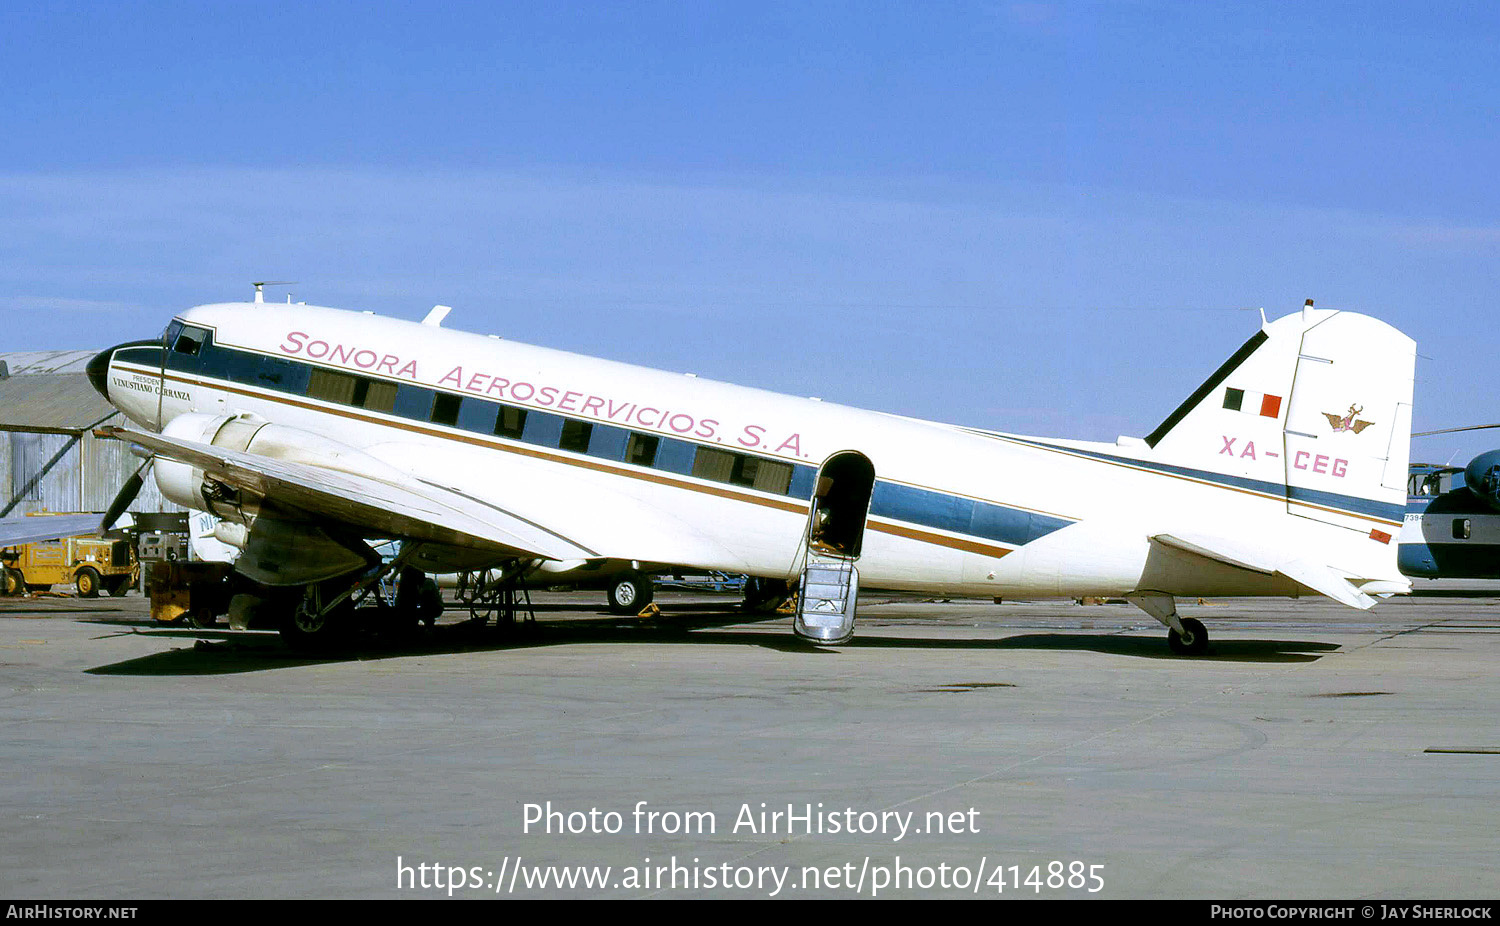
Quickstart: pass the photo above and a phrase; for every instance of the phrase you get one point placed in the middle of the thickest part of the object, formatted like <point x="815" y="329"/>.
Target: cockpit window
<point x="190" y="341"/>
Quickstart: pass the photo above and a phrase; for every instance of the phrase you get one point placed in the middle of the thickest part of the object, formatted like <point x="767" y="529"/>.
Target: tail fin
<point x="1315" y="406"/>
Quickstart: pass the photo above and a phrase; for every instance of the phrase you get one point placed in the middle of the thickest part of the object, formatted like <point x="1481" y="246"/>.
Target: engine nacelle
<point x="182" y="483"/>
<point x="1482" y="476"/>
<point x="275" y="551"/>
<point x="187" y="486"/>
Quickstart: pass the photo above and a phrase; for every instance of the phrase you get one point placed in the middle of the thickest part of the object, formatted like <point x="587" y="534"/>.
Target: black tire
<point x="14" y="582"/>
<point x="629" y="593"/>
<point x="86" y="581"/>
<point x="764" y="596"/>
<point x="432" y="602"/>
<point x="117" y="586"/>
<point x="1194" y="642"/>
<point x="303" y="627"/>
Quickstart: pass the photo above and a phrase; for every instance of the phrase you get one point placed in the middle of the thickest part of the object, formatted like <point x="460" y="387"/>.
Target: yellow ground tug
<point x="89" y="564"/>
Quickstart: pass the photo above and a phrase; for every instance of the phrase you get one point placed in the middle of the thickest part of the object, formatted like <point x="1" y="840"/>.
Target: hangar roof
<point x="59" y="403"/>
<point x="45" y="361"/>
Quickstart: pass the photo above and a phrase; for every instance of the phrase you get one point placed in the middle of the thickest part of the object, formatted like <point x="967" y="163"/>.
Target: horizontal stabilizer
<point x="1265" y="559"/>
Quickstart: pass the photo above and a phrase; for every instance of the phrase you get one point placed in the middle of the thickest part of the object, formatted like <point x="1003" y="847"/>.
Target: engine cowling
<point x="183" y="483"/>
<point x="275" y="551"/>
<point x="1482" y="476"/>
<point x="187" y="486"/>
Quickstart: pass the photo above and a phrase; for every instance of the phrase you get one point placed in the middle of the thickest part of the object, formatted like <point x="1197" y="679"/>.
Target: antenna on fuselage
<point x="260" y="295"/>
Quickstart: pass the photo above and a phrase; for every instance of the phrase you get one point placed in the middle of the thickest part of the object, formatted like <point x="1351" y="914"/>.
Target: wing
<point x="1334" y="420"/>
<point x="1361" y="425"/>
<point x="16" y="531"/>
<point x="1266" y="560"/>
<point x="410" y="508"/>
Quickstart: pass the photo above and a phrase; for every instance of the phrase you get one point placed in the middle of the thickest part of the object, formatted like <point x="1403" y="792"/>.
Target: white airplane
<point x="313" y="431"/>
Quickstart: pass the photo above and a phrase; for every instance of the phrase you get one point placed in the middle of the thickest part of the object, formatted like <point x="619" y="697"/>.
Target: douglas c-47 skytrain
<point x="315" y="432"/>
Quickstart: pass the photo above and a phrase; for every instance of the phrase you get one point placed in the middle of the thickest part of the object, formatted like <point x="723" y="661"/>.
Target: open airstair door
<point x="835" y="534"/>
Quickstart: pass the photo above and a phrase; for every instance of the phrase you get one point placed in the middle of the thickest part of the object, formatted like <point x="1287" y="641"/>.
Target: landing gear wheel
<point x="765" y="596"/>
<point x="309" y="627"/>
<point x="432" y="603"/>
<point x="1193" y="641"/>
<point x="629" y="593"/>
<point x="87" y="582"/>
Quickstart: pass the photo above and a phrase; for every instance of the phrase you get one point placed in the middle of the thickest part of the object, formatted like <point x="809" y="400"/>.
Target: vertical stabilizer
<point x="1315" y="406"/>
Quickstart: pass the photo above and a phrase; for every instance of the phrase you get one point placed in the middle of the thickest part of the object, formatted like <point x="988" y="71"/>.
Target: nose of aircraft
<point x="98" y="370"/>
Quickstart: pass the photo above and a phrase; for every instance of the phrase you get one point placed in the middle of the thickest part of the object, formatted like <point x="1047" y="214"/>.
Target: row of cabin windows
<point x="193" y="351"/>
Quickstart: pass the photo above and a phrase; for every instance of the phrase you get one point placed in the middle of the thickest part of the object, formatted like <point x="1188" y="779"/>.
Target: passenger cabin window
<point x="641" y="449"/>
<point x="378" y="396"/>
<point x="445" y="409"/>
<point x="742" y="470"/>
<point x="511" y="422"/>
<point x="331" y="387"/>
<point x="575" y="436"/>
<point x="193" y="348"/>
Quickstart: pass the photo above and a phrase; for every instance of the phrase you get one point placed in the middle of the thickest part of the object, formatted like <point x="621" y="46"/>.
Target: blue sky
<point x="1053" y="218"/>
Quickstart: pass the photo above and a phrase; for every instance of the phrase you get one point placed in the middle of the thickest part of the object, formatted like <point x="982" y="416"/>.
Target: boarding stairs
<point x="825" y="599"/>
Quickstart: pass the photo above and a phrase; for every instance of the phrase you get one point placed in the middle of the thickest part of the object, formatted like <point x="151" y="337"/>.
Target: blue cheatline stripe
<point x="145" y="356"/>
<point x="1349" y="503"/>
<point x="961" y="515"/>
<point x="925" y="507"/>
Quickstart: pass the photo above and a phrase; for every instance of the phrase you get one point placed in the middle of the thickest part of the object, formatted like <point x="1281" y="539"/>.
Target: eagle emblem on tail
<point x="1348" y="422"/>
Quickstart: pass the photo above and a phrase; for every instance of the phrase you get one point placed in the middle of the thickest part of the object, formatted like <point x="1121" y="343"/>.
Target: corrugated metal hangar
<point x="49" y="457"/>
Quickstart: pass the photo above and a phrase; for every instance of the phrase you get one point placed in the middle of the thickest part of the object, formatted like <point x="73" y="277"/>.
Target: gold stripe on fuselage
<point x="955" y="543"/>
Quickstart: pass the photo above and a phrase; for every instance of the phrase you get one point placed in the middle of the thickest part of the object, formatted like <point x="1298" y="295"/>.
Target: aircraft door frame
<point x="839" y="511"/>
<point x="837" y="517"/>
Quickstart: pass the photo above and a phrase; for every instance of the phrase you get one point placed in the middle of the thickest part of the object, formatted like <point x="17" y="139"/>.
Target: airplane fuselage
<point x="671" y="469"/>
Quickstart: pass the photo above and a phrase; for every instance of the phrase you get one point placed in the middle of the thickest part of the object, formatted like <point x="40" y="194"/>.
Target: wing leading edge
<point x="411" y="509"/>
<point x="16" y="531"/>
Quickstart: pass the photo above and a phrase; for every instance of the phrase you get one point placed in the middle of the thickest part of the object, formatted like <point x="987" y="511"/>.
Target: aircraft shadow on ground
<point x="218" y="652"/>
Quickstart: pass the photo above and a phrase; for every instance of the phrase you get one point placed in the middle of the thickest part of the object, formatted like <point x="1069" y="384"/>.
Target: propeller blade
<point x="125" y="496"/>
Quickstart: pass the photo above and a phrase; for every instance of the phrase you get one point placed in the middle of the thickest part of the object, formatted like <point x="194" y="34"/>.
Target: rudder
<point x="1315" y="406"/>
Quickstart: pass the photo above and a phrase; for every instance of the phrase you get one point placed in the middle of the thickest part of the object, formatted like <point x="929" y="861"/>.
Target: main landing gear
<point x="1186" y="636"/>
<point x="629" y="592"/>
<point x="323" y="617"/>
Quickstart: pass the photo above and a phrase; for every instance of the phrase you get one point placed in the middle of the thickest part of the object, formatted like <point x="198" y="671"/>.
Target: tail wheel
<point x="1193" y="641"/>
<point x="87" y="582"/>
<point x="629" y="593"/>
